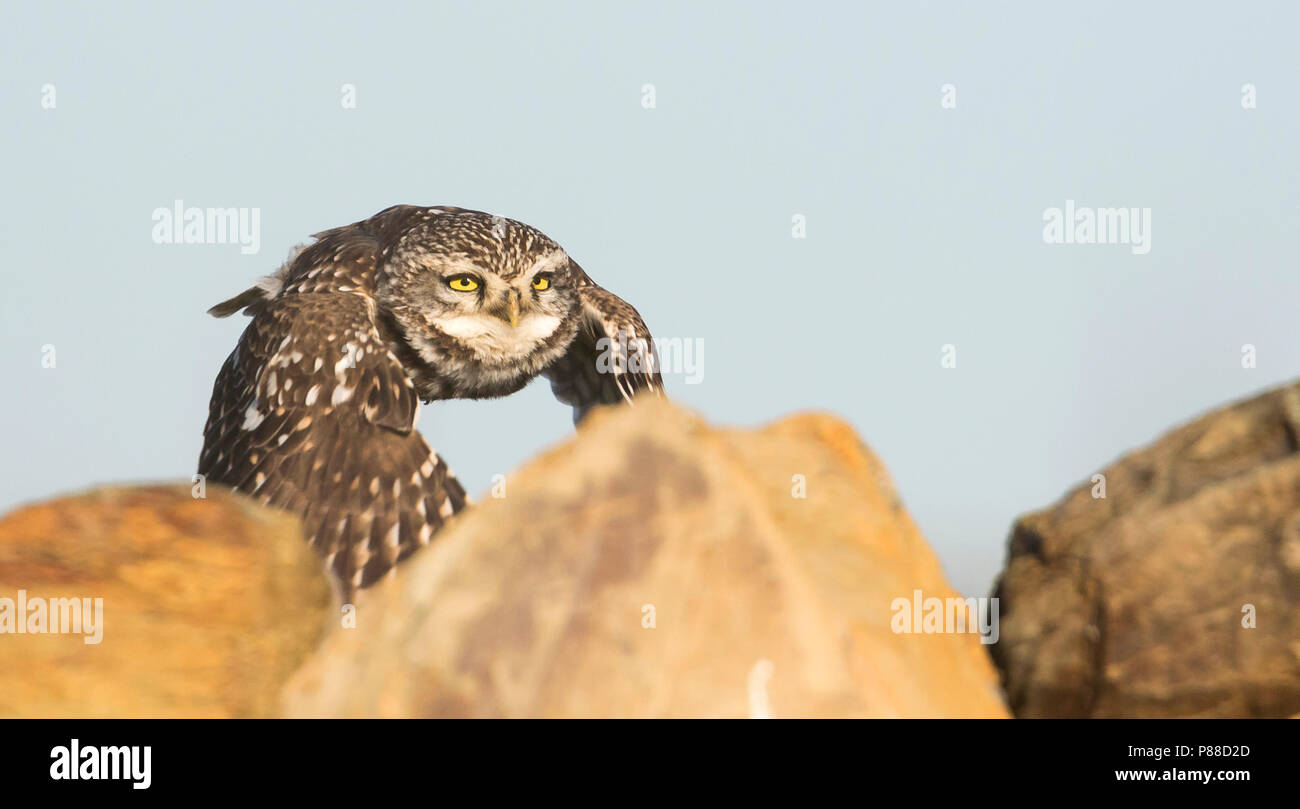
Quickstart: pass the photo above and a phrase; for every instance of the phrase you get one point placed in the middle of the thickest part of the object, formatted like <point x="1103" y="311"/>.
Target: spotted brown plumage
<point x="606" y="323"/>
<point x="314" y="411"/>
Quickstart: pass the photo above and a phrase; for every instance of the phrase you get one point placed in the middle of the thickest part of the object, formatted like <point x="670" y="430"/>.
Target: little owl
<point x="314" y="411"/>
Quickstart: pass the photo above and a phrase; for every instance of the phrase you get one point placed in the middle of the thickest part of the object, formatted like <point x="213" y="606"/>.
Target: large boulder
<point x="208" y="605"/>
<point x="657" y="567"/>
<point x="1175" y="594"/>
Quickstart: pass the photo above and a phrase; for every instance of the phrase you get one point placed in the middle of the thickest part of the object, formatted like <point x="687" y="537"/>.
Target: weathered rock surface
<point x="1132" y="605"/>
<point x="655" y="566"/>
<point x="208" y="605"/>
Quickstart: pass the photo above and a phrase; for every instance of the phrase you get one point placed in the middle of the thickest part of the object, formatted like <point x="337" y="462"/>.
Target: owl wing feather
<point x="313" y="414"/>
<point x="612" y="359"/>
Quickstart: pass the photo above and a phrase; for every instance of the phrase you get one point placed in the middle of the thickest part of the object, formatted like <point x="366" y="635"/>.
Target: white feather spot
<point x="312" y="393"/>
<point x="270" y="284"/>
<point x="252" y="418"/>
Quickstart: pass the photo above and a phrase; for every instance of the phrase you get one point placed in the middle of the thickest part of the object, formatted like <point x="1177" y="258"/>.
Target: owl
<point x="314" y="411"/>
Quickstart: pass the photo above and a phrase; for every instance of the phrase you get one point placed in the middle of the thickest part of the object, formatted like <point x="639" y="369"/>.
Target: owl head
<point x="485" y="302"/>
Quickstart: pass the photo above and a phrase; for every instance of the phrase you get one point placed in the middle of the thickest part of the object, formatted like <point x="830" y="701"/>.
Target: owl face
<point x="485" y="302"/>
<point x="499" y="318"/>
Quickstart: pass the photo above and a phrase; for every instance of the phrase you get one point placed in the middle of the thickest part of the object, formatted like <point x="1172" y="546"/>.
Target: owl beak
<point x="509" y="312"/>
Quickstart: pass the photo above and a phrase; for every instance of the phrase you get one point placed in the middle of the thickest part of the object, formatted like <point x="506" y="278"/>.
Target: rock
<point x="208" y="605"/>
<point x="1132" y="605"/>
<point x="657" y="567"/>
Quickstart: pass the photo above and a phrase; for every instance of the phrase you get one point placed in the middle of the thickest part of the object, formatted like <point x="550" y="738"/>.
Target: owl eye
<point x="463" y="283"/>
<point x="542" y="282"/>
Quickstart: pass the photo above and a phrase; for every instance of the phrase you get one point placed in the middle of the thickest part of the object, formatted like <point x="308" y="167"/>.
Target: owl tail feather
<point x="244" y="300"/>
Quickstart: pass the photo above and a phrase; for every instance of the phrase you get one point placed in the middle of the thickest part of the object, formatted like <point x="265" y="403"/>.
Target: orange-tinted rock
<point x="208" y="604"/>
<point x="655" y="566"/>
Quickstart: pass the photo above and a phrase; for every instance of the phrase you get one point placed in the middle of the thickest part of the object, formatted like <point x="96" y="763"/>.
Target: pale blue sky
<point x="924" y="224"/>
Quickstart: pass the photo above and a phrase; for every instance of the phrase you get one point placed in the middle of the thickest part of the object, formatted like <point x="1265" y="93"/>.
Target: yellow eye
<point x="462" y="283"/>
<point x="542" y="282"/>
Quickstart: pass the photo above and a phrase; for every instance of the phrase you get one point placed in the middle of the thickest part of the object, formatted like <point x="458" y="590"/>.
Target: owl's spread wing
<point x="311" y="413"/>
<point x="611" y="360"/>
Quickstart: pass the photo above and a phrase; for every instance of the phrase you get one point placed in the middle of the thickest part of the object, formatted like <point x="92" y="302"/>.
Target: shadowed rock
<point x="1132" y="605"/>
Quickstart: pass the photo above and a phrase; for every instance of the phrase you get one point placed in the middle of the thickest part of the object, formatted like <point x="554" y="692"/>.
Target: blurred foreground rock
<point x="1132" y="605"/>
<point x="208" y="605"/>
<point x="655" y="566"/>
